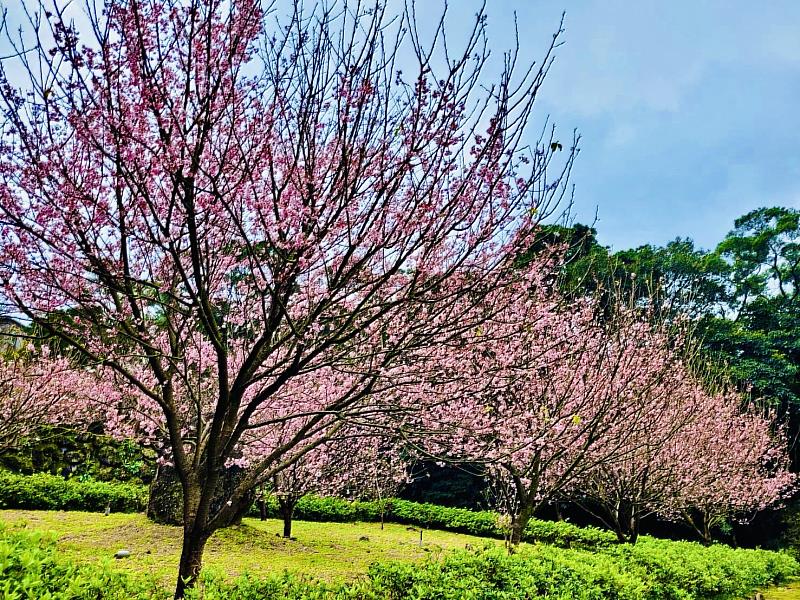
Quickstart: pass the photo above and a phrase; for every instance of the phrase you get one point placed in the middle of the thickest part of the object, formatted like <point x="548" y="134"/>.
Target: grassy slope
<point x="329" y="551"/>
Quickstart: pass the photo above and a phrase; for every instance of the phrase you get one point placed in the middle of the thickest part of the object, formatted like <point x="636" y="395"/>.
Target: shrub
<point x="718" y="571"/>
<point x="30" y="568"/>
<point x="650" y="571"/>
<point x="76" y="453"/>
<point x="43" y="491"/>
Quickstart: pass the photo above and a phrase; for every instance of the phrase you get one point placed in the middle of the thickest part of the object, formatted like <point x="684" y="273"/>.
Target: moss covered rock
<point x="165" y="503"/>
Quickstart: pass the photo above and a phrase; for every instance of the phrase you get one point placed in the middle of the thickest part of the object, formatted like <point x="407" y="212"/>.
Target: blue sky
<point x="688" y="110"/>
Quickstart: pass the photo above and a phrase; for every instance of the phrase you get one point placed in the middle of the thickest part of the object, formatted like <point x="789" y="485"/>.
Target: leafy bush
<point x="50" y="492"/>
<point x="30" y="568"/>
<point x="567" y="535"/>
<point x="718" y="571"/>
<point x="651" y="570"/>
<point x="42" y="491"/>
<point x="336" y="510"/>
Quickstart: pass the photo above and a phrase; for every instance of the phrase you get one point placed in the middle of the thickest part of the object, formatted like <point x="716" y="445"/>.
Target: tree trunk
<point x="196" y="530"/>
<point x="702" y="526"/>
<point x="262" y="509"/>
<point x="384" y="504"/>
<point x="194" y="542"/>
<point x="286" y="506"/>
<point x="625" y="518"/>
<point x="707" y="539"/>
<point x="518" y="524"/>
<point x="634" y="536"/>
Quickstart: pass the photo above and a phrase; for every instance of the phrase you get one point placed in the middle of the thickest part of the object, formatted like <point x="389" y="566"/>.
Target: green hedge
<point x="43" y="491"/>
<point x="432" y="516"/>
<point x="50" y="492"/>
<point x="652" y="570"/>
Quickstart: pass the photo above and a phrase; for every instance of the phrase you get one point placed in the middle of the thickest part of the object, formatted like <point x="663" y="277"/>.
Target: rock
<point x="363" y="538"/>
<point x="165" y="504"/>
<point x="122" y="554"/>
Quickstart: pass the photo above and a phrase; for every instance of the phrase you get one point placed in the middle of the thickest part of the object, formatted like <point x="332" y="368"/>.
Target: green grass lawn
<point x="790" y="591"/>
<point x="328" y="551"/>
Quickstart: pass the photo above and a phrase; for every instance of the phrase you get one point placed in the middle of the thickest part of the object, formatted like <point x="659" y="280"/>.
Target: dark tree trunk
<point x="262" y="509"/>
<point x="701" y="525"/>
<point x="634" y="536"/>
<point x="518" y="524"/>
<point x="286" y="506"/>
<point x="627" y="533"/>
<point x="707" y="539"/>
<point x="194" y="542"/>
<point x="384" y="504"/>
<point x="197" y="491"/>
<point x="625" y="519"/>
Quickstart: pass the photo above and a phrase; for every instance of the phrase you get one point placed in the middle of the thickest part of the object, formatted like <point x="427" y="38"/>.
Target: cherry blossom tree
<point x="37" y="389"/>
<point x="651" y="445"/>
<point x="536" y="392"/>
<point x="216" y="203"/>
<point x="314" y="473"/>
<point x="737" y="464"/>
<point x="356" y="463"/>
<point x="378" y="468"/>
<point x="688" y="450"/>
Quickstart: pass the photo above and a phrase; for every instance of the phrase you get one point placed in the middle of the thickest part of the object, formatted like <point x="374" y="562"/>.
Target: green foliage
<point x="689" y="570"/>
<point x="789" y="529"/>
<point x="567" y="535"/>
<point x="332" y="509"/>
<point x="744" y="295"/>
<point x="763" y="357"/>
<point x="759" y="337"/>
<point x="43" y="491"/>
<point x="763" y="249"/>
<point x="433" y="516"/>
<point x="30" y="568"/>
<point x="654" y="570"/>
<point x="68" y="452"/>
